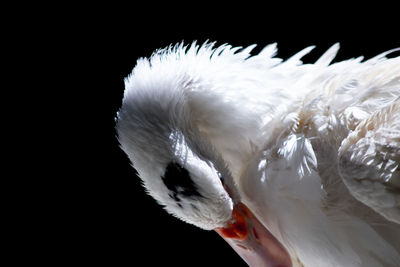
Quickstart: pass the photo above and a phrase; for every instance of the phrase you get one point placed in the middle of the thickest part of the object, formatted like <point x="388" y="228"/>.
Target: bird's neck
<point x="230" y="129"/>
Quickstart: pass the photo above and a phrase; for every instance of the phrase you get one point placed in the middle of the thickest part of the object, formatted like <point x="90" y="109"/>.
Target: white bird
<point x="292" y="164"/>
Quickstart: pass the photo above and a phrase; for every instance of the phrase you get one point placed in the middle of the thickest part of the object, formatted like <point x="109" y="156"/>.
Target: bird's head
<point x="163" y="133"/>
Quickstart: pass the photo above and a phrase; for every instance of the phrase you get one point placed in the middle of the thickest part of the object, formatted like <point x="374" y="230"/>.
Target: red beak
<point x="252" y="241"/>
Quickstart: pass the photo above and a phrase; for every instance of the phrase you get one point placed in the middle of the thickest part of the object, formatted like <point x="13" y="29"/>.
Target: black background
<point x="94" y="209"/>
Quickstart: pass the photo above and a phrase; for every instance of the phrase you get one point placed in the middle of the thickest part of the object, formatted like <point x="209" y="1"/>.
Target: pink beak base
<point x="252" y="241"/>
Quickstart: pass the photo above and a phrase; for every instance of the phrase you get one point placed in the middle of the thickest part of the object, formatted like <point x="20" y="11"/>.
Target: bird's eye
<point x="178" y="181"/>
<point x="221" y="178"/>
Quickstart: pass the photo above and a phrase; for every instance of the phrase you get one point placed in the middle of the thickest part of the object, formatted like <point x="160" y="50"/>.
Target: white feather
<point x="275" y="127"/>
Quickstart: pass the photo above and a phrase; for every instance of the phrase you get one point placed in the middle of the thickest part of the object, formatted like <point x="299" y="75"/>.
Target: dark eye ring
<point x="178" y="181"/>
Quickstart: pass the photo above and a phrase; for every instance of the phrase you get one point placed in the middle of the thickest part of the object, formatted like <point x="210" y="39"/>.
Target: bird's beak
<point x="252" y="241"/>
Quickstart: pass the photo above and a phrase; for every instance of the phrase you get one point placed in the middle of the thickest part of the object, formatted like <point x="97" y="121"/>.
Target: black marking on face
<point x="174" y="196"/>
<point x="177" y="179"/>
<point x="194" y="207"/>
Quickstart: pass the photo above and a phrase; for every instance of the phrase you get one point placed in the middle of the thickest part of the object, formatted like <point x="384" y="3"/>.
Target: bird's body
<point x="312" y="149"/>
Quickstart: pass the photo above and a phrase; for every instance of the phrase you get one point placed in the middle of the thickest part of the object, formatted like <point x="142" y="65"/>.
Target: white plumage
<point x="313" y="150"/>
